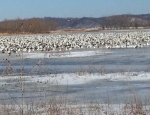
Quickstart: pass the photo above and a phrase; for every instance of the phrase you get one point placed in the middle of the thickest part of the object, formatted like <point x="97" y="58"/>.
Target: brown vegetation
<point x="34" y="25"/>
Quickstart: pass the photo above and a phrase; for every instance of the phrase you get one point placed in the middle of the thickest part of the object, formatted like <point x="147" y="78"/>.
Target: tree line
<point x="33" y="25"/>
<point x="125" y="21"/>
<point x="47" y="24"/>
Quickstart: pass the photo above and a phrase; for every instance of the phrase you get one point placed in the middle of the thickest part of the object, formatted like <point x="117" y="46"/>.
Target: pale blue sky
<point x="11" y="9"/>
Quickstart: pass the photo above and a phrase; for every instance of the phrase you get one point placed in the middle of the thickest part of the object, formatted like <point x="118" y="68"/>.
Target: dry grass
<point x="60" y="107"/>
<point x="63" y="31"/>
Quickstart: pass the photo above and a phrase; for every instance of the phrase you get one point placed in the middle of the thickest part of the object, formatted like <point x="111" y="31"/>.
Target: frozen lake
<point x="93" y="61"/>
<point x="100" y="61"/>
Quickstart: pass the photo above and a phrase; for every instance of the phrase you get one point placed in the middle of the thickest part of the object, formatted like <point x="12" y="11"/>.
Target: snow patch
<point x="66" y="54"/>
<point x="82" y="78"/>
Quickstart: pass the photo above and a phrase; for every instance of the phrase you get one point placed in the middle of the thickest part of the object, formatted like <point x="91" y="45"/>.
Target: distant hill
<point x="115" y="21"/>
<point x="49" y="24"/>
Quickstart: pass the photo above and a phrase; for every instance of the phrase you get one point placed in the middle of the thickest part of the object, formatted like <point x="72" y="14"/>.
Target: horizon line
<point x="73" y="17"/>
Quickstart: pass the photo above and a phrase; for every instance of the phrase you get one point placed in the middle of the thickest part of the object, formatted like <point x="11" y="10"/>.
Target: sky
<point x="12" y="9"/>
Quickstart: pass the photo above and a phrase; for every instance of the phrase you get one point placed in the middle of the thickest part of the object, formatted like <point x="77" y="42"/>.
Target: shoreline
<point x="73" y="31"/>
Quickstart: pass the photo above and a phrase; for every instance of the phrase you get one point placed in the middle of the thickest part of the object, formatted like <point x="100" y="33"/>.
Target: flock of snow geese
<point x="64" y="42"/>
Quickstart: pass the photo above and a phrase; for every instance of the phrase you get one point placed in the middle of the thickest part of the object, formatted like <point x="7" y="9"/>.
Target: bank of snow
<point x="82" y="77"/>
<point x="66" y="54"/>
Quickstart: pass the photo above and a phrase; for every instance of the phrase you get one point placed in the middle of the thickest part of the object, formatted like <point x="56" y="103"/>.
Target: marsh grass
<point x="55" y="107"/>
